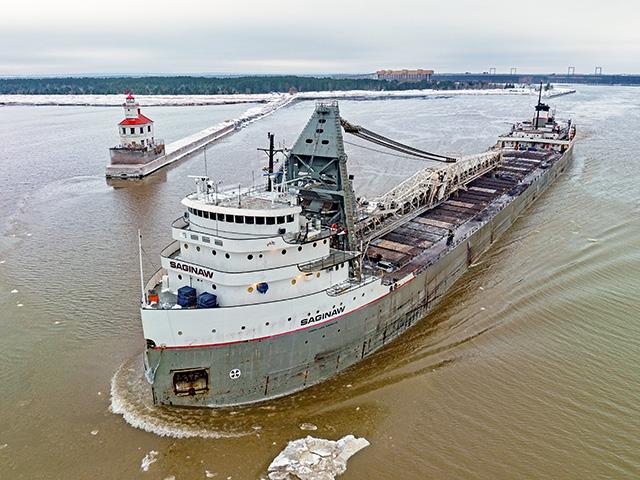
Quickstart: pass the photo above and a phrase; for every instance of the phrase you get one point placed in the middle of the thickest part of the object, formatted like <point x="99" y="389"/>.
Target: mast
<point x="538" y="107"/>
<point x="271" y="152"/>
<point x="144" y="296"/>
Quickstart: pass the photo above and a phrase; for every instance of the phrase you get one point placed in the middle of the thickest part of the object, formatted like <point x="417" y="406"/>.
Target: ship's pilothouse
<point x="542" y="132"/>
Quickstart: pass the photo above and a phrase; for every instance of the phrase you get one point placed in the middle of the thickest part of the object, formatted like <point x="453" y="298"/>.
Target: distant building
<point x="405" y="75"/>
<point x="137" y="139"/>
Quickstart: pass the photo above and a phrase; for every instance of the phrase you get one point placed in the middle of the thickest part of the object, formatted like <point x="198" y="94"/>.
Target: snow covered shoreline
<point x="190" y="100"/>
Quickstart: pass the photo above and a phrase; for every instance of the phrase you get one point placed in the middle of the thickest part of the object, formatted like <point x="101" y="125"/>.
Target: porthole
<point x="214" y="330"/>
<point x="186" y="246"/>
<point x="249" y="257"/>
<point x="322" y="120"/>
<point x="250" y="289"/>
<point x="324" y="241"/>
<point x="197" y="249"/>
<point x="293" y="282"/>
<point x="299" y="249"/>
<point x="179" y="277"/>
<point x="179" y="332"/>
<point x="325" y="142"/>
<point x="306" y="341"/>
<point x="308" y="140"/>
<point x="213" y="252"/>
<point x="289" y="319"/>
<point x="319" y="130"/>
<point x="266" y="323"/>
<point x="315" y="244"/>
<point x="213" y="286"/>
<point x="284" y="252"/>
<point x="243" y="327"/>
<point x="260" y="256"/>
<point x="318" y="274"/>
<point x="226" y="255"/>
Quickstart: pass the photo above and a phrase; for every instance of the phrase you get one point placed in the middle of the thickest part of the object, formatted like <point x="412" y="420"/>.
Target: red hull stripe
<point x="278" y="334"/>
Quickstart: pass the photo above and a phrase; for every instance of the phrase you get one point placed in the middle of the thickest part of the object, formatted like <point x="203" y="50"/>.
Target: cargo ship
<point x="265" y="291"/>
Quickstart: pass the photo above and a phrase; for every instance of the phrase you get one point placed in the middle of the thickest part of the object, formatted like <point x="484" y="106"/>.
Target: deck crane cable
<point x="391" y="144"/>
<point x="383" y="152"/>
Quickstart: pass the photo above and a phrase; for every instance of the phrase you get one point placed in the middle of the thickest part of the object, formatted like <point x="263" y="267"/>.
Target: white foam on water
<point x="131" y="397"/>
<point x="15" y="290"/>
<point x="94" y="432"/>
<point x="19" y="305"/>
<point x="148" y="459"/>
<point x="209" y="474"/>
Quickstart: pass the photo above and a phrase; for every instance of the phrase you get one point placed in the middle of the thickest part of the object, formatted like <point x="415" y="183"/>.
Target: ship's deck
<point x="423" y="239"/>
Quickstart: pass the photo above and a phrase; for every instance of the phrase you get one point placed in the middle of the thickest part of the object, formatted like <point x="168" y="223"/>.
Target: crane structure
<point x="420" y="192"/>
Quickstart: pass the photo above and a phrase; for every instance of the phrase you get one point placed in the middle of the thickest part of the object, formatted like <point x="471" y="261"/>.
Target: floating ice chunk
<point x="170" y="477"/>
<point x="308" y="426"/>
<point x="209" y="474"/>
<point x="2" y="261"/>
<point x="19" y="305"/>
<point x="94" y="432"/>
<point x="148" y="459"/>
<point x="15" y="290"/>
<point x="315" y="458"/>
<point x="3" y="446"/>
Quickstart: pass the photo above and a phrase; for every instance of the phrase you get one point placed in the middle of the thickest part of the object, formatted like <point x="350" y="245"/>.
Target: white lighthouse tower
<point x="136" y="130"/>
<point x="138" y="144"/>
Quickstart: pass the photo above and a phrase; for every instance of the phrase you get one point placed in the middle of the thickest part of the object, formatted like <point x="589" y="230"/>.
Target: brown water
<point x="529" y="370"/>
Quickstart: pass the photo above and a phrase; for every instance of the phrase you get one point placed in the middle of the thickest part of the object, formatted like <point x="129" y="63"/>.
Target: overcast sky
<point x="302" y="36"/>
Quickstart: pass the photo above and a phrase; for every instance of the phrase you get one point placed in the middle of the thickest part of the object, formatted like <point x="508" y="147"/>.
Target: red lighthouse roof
<point x="130" y="96"/>
<point x="140" y="120"/>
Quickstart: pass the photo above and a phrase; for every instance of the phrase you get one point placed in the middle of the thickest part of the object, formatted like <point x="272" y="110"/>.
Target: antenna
<point x="205" y="162"/>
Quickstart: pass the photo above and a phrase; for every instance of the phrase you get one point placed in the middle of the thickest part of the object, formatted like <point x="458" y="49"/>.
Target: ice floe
<point x="308" y="426"/>
<point x="15" y="290"/>
<point x="148" y="459"/>
<point x="315" y="458"/>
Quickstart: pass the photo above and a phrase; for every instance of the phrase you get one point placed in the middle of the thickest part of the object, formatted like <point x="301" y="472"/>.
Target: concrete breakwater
<point x="195" y="143"/>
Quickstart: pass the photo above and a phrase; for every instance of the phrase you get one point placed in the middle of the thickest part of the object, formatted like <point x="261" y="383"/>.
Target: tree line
<point x="191" y="85"/>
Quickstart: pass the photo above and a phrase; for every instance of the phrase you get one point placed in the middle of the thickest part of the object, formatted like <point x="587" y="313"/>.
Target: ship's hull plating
<point x="280" y="365"/>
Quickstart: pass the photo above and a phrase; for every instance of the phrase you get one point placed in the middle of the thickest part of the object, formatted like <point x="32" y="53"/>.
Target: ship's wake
<point x="131" y="397"/>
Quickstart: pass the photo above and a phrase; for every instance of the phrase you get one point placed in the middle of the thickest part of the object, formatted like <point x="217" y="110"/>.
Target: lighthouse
<point x="136" y="130"/>
<point x="138" y="144"/>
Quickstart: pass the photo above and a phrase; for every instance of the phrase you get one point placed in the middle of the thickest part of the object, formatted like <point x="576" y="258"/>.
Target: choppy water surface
<point x="529" y="370"/>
